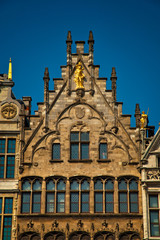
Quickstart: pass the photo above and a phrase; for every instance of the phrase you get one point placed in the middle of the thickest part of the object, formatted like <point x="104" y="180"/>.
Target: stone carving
<point x="129" y="225"/>
<point x="55" y="224"/>
<point x="80" y="112"/>
<point x="9" y="111"/>
<point x="30" y="224"/>
<point x="153" y="174"/>
<point x="104" y="224"/>
<point x="79" y="224"/>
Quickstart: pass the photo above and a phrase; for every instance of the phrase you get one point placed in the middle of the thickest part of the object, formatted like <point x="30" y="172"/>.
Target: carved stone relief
<point x="9" y="110"/>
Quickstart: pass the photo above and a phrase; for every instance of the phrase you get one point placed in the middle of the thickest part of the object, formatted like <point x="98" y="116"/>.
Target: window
<point x="103" y="195"/>
<point x="103" y="151"/>
<point x="79" y="196"/>
<point x="154" y="212"/>
<point x="128" y="195"/>
<point x="56" y="151"/>
<point x="79" y="145"/>
<point x="55" y="195"/>
<point x="6" y="207"/>
<point x="31" y="196"/>
<point x="7" y="158"/>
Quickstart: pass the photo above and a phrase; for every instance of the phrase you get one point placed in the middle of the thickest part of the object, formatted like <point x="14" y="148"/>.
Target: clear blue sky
<point x="126" y="34"/>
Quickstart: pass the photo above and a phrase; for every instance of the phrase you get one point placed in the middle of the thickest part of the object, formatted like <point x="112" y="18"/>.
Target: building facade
<point x="76" y="161"/>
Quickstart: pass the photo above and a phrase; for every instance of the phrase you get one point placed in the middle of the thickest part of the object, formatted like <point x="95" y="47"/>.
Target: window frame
<point x="100" y="143"/>
<point x="8" y="166"/>
<point x="154" y="209"/>
<point x="56" y="159"/>
<point x="79" y="142"/>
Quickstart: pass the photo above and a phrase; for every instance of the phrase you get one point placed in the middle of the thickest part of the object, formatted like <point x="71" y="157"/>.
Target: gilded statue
<point x="143" y="120"/>
<point x="79" y="76"/>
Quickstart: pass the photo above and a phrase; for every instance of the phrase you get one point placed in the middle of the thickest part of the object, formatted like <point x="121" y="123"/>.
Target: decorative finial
<point x="90" y="37"/>
<point x="79" y="76"/>
<point x="10" y="70"/>
<point x="113" y="74"/>
<point x="69" y="37"/>
<point x="46" y="73"/>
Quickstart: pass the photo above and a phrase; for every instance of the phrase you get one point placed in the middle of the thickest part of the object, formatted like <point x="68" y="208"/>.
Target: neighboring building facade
<point x="151" y="188"/>
<point x="78" y="159"/>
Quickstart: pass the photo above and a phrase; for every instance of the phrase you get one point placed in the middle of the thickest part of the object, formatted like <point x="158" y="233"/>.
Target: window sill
<point x="55" y="161"/>
<point x="103" y="160"/>
<point x="80" y="161"/>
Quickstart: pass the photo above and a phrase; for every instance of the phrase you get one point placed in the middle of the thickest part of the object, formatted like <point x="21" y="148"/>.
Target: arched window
<point x="79" y="197"/>
<point x="31" y="196"/>
<point x="128" y="195"/>
<point x="55" y="195"/>
<point x="79" y="145"/>
<point x="103" y="151"/>
<point x="104" y="195"/>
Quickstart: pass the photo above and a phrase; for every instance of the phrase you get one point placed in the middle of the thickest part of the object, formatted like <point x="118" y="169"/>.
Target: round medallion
<point x="9" y="110"/>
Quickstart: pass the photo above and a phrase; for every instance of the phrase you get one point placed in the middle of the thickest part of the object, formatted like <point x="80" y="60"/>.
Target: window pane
<point x="74" y="136"/>
<point x="98" y="185"/>
<point x="85" y="185"/>
<point x="2" y="145"/>
<point x="25" y="202"/>
<point x="74" y="202"/>
<point x="123" y="202"/>
<point x="0" y="205"/>
<point x="154" y="230"/>
<point x="61" y="185"/>
<point x="50" y="185"/>
<point x="37" y="185"/>
<point x="153" y="201"/>
<point x="74" y="185"/>
<point x="133" y="185"/>
<point x="85" y="202"/>
<point x="26" y="185"/>
<point x="1" y="166"/>
<point x="98" y="202"/>
<point x="122" y="185"/>
<point x="10" y="166"/>
<point x="109" y="202"/>
<point x="7" y="228"/>
<point x="56" y="151"/>
<point x="85" y="136"/>
<point x="154" y="216"/>
<point x="84" y="151"/>
<point x="11" y="146"/>
<point x="8" y="205"/>
<point x="109" y="185"/>
<point x="60" y="202"/>
<point x="74" y="151"/>
<point x="154" y="222"/>
<point x="103" y="150"/>
<point x="36" y="204"/>
<point x="50" y="202"/>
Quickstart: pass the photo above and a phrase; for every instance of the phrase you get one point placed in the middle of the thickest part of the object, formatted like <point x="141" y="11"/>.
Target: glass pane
<point x="109" y="207"/>
<point x="98" y="202"/>
<point x="74" y="185"/>
<point x="84" y="207"/>
<point x="154" y="216"/>
<point x="133" y="202"/>
<point x="2" y="145"/>
<point x="154" y="222"/>
<point x="61" y="185"/>
<point x="123" y="202"/>
<point x="7" y="228"/>
<point x="50" y="185"/>
<point x="50" y="202"/>
<point x="133" y="207"/>
<point x="85" y="202"/>
<point x="36" y="204"/>
<point x="123" y="208"/>
<point x="11" y="145"/>
<point x="74" y="202"/>
<point x="60" y="202"/>
<point x="1" y="166"/>
<point x="123" y="197"/>
<point x="153" y="201"/>
<point x="85" y="185"/>
<point x="133" y="185"/>
<point x="74" y="136"/>
<point x="109" y="202"/>
<point x="98" y="185"/>
<point x="0" y="206"/>
<point x="103" y="150"/>
<point x="84" y="151"/>
<point x="25" y="202"/>
<point x="109" y="197"/>
<point x="10" y="166"/>
<point x="85" y="136"/>
<point x="122" y="185"/>
<point x="74" y="151"/>
<point x="85" y="197"/>
<point x="37" y="185"/>
<point x="109" y="185"/>
<point x="155" y="230"/>
<point x="8" y="205"/>
<point x="56" y="151"/>
<point x="26" y="185"/>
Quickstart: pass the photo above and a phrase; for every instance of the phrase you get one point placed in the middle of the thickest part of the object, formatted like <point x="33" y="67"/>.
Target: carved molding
<point x="153" y="174"/>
